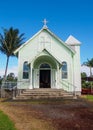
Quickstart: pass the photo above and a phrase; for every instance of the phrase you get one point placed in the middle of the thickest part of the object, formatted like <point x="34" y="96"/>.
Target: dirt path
<point x="24" y="117"/>
<point x="50" y="115"/>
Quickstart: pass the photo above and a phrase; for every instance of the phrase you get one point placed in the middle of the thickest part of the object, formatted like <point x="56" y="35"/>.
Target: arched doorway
<point x="45" y="76"/>
<point x="44" y="65"/>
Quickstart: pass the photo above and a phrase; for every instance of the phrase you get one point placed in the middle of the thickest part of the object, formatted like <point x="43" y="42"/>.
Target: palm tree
<point x="9" y="42"/>
<point x="89" y="63"/>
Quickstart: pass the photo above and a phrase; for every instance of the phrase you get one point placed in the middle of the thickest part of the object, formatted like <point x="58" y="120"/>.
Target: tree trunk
<point x="6" y="68"/>
<point x="3" y="82"/>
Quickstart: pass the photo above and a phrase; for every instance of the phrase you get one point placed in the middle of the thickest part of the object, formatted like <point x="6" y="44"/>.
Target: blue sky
<point x="64" y="17"/>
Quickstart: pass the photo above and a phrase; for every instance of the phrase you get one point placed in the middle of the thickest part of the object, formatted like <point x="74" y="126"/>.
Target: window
<point x="64" y="70"/>
<point x="25" y="70"/>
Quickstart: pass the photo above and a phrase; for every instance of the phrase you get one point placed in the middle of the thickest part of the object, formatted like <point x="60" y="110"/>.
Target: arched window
<point x="64" y="70"/>
<point x="25" y="70"/>
<point x="44" y="65"/>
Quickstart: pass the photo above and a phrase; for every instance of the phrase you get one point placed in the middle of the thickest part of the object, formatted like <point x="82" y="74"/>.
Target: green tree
<point x="9" y="42"/>
<point x="11" y="77"/>
<point x="89" y="63"/>
<point x="83" y="75"/>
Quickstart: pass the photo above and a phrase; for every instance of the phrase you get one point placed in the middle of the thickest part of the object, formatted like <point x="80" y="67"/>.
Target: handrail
<point x="67" y="86"/>
<point x="8" y="84"/>
<point x="11" y="84"/>
<point x="74" y="92"/>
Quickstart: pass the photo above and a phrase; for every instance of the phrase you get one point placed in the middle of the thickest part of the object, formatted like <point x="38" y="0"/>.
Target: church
<point x="45" y="61"/>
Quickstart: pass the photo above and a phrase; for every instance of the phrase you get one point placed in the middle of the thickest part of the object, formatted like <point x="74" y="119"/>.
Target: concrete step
<point x="43" y="97"/>
<point x="49" y="93"/>
<point x="43" y="93"/>
<point x="44" y="90"/>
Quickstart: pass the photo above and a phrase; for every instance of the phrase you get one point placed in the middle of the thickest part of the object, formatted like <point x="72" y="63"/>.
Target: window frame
<point x="64" y="72"/>
<point x="26" y="69"/>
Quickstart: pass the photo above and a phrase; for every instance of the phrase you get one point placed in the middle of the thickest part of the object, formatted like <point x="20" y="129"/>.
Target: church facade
<point x="45" y="61"/>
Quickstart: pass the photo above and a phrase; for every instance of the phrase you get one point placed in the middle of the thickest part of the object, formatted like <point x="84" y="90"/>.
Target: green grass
<point x="5" y="122"/>
<point x="89" y="97"/>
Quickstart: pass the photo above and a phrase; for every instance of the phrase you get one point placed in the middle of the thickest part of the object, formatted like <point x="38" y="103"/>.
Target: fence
<point x="9" y="88"/>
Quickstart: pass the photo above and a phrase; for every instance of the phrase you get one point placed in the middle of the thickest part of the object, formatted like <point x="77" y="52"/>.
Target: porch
<point x="10" y="90"/>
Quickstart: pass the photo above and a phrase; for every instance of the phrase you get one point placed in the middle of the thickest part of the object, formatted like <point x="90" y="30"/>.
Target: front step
<point x="43" y="94"/>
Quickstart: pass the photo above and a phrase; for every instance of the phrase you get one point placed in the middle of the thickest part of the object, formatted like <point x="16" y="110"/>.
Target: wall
<point x="34" y="46"/>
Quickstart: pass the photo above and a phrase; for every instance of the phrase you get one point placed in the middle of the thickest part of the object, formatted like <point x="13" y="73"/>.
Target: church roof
<point x="51" y="33"/>
<point x="48" y="52"/>
<point x="72" y="41"/>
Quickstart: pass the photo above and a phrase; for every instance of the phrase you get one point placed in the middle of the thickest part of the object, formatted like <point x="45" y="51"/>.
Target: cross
<point x="45" y="22"/>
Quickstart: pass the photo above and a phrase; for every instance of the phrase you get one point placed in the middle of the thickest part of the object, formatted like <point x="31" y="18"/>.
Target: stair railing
<point x="7" y="85"/>
<point x="19" y="91"/>
<point x="67" y="85"/>
<point x="12" y="86"/>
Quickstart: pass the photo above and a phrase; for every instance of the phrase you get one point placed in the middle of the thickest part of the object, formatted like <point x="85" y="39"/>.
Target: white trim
<point x="50" y="54"/>
<point x="73" y="51"/>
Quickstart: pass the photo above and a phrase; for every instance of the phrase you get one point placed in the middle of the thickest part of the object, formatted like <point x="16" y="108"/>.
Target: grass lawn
<point x="90" y="97"/>
<point x="5" y="122"/>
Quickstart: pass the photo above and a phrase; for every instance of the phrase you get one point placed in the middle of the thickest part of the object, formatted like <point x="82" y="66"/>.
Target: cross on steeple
<point x="45" y="22"/>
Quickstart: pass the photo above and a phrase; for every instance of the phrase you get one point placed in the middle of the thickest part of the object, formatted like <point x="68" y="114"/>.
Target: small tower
<point x="75" y="45"/>
<point x="72" y="42"/>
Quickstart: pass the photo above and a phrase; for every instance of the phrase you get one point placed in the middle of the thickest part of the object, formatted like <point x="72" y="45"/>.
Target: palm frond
<point x="10" y="40"/>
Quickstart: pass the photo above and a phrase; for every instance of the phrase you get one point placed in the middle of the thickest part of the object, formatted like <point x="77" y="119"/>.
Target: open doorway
<point x="45" y="76"/>
<point x="45" y="79"/>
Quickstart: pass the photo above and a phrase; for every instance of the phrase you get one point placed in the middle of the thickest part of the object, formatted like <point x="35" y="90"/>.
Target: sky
<point x="65" y="17"/>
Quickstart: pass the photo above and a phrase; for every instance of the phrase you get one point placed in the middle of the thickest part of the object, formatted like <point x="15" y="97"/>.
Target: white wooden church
<point x="45" y="61"/>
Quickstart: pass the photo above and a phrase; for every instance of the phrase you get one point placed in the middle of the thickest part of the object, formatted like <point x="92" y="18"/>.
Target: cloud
<point x="86" y="70"/>
<point x="13" y="69"/>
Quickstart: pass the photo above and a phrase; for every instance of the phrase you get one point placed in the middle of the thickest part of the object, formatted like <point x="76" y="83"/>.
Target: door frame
<point x="45" y="66"/>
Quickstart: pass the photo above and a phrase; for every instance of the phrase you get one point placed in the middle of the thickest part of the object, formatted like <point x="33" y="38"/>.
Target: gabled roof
<point x="50" y="54"/>
<point x="72" y="41"/>
<point x="68" y="47"/>
<point x="62" y="42"/>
